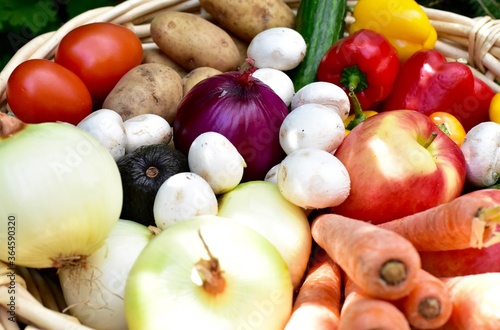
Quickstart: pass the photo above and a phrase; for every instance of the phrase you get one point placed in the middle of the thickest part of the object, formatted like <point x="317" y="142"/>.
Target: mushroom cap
<point x="481" y="149"/>
<point x="325" y="93"/>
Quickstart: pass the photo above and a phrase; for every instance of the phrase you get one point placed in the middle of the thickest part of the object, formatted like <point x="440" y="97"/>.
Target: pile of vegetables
<point x="253" y="174"/>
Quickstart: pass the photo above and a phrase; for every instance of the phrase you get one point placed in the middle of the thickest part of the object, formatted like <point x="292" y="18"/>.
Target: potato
<point x="242" y="47"/>
<point x="148" y="88"/>
<point x="193" y="41"/>
<point x="197" y="75"/>
<point x="247" y="18"/>
<point x="156" y="55"/>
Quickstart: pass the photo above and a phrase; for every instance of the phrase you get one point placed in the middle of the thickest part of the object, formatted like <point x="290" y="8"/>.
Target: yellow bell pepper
<point x="403" y="22"/>
<point x="494" y="110"/>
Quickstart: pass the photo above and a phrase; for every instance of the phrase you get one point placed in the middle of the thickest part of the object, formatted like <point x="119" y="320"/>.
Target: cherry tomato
<point x="100" y="54"/>
<point x="494" y="111"/>
<point x="40" y="90"/>
<point x="450" y="125"/>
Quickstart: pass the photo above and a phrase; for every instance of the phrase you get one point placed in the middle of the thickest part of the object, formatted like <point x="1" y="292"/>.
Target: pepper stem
<point x="354" y="79"/>
<point x="359" y="115"/>
<point x="209" y="272"/>
<point x="9" y="125"/>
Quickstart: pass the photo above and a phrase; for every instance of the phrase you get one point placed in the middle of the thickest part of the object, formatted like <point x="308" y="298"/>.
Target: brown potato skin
<point x="156" y="55"/>
<point x="197" y="75"/>
<point x="194" y="42"/>
<point x="148" y="88"/>
<point x="246" y="18"/>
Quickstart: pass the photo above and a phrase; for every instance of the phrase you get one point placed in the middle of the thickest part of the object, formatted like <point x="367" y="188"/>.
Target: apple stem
<point x="430" y="139"/>
<point x="209" y="271"/>
<point x="393" y="272"/>
<point x="9" y="125"/>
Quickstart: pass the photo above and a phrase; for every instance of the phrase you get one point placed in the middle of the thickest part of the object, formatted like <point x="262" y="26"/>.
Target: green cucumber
<point x="321" y="24"/>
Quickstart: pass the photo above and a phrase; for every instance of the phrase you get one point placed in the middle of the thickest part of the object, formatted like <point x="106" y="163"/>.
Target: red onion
<point x="240" y="107"/>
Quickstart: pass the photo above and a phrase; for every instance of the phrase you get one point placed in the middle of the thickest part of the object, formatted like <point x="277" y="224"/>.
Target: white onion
<point x="260" y="206"/>
<point x="166" y="288"/>
<point x="96" y="292"/>
<point x="60" y="192"/>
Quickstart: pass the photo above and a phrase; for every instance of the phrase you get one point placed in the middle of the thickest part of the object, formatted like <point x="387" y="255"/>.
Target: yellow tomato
<point x="450" y="125"/>
<point x="494" y="111"/>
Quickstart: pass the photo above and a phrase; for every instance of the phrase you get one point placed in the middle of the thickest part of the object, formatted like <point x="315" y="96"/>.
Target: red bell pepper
<point x="428" y="83"/>
<point x="365" y="62"/>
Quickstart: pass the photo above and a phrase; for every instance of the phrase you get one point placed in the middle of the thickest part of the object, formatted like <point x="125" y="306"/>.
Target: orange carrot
<point x="360" y="312"/>
<point x="461" y="262"/>
<point x="466" y="221"/>
<point x="317" y="306"/>
<point x="382" y="263"/>
<point x="428" y="305"/>
<point x="476" y="302"/>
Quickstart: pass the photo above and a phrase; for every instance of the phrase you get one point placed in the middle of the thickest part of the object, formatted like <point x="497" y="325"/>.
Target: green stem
<point x="430" y="140"/>
<point x="354" y="79"/>
<point x="359" y="115"/>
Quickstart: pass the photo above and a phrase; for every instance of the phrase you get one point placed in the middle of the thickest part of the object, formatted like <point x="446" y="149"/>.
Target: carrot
<point x="428" y="305"/>
<point x="467" y="221"/>
<point x="476" y="302"/>
<point x="461" y="262"/>
<point x="317" y="306"/>
<point x="382" y="263"/>
<point x="360" y="312"/>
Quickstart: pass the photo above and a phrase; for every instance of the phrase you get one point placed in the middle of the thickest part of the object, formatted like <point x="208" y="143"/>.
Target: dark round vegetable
<point x="143" y="171"/>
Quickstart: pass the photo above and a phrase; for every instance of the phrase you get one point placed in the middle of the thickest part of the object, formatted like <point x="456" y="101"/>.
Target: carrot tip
<point x="393" y="272"/>
<point x="429" y="308"/>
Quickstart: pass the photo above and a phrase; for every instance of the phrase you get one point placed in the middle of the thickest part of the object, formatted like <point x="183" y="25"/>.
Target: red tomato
<point x="100" y="54"/>
<point x="40" y="90"/>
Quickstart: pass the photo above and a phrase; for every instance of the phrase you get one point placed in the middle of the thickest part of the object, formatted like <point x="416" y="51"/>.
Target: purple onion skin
<point x="243" y="109"/>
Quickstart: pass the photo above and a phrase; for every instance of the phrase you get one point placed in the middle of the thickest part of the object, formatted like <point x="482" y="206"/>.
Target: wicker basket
<point x="39" y="298"/>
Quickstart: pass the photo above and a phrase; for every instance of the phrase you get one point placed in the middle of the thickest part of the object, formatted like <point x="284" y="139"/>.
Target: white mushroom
<point x="311" y="126"/>
<point x="313" y="179"/>
<point x="182" y="196"/>
<point x="324" y="93"/>
<point x="481" y="148"/>
<point x="107" y="127"/>
<point x="278" y="81"/>
<point x="272" y="174"/>
<point x="146" y="129"/>
<point x="216" y="159"/>
<point x="279" y="48"/>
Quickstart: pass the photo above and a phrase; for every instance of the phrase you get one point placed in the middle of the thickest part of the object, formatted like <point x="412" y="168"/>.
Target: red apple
<point x="400" y="163"/>
<point x="461" y="262"/>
